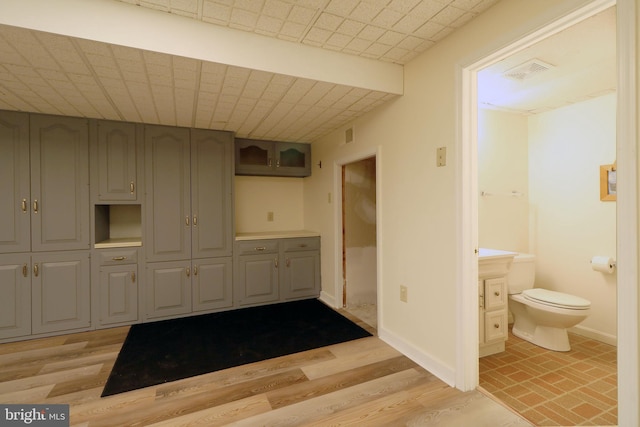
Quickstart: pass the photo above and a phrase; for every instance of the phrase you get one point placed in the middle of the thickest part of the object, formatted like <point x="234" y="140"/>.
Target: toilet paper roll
<point x="603" y="264"/>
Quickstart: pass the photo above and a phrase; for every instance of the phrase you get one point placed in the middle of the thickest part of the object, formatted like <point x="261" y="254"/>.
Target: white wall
<point x="569" y="223"/>
<point x="418" y="209"/>
<point x="255" y="196"/>
<point x="503" y="167"/>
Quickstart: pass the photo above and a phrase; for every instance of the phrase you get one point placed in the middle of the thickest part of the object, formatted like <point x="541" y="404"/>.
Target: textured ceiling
<point x="582" y="65"/>
<point x="60" y="74"/>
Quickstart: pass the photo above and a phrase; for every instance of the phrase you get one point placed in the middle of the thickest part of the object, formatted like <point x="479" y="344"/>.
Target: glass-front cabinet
<point x="272" y="158"/>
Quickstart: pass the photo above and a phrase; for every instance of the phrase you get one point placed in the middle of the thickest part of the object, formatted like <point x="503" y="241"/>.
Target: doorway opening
<point x="359" y="240"/>
<point x="626" y="216"/>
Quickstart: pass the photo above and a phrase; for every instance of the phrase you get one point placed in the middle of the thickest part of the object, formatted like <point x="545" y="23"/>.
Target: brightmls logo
<point x="34" y="415"/>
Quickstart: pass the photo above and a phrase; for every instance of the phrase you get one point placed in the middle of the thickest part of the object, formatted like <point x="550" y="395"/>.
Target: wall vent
<point x="527" y="70"/>
<point x="348" y="135"/>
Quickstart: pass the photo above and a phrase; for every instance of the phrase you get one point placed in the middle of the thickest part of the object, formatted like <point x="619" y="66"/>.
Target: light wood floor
<point x="362" y="382"/>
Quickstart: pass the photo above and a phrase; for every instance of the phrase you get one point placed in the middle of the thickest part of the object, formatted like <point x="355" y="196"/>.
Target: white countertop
<point x="258" y="235"/>
<point x="485" y="253"/>
<point x="119" y="243"/>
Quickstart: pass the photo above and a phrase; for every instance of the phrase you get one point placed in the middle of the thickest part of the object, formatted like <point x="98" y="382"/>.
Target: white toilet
<point x="541" y="316"/>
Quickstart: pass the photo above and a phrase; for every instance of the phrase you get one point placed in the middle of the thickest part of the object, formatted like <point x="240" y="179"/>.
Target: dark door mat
<point x="169" y="350"/>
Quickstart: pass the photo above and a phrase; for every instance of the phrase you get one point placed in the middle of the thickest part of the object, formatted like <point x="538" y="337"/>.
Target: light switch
<point x="442" y="156"/>
<point x="269" y="216"/>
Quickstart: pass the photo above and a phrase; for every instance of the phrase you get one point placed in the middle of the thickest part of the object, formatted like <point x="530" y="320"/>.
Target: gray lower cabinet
<point x="274" y="270"/>
<point x="61" y="294"/>
<point x="176" y="288"/>
<point x="15" y="288"/>
<point x="118" y="290"/>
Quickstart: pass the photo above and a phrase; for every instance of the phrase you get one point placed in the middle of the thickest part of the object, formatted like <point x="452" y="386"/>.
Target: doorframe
<point x="467" y="371"/>
<point x="338" y="241"/>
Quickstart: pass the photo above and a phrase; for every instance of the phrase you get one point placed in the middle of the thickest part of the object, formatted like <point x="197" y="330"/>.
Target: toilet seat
<point x="556" y="299"/>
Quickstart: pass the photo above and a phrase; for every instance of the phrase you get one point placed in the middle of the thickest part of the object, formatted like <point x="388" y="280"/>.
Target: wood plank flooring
<point x="362" y="382"/>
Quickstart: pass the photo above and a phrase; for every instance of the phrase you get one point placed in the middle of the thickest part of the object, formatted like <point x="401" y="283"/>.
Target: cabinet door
<point x="257" y="280"/>
<point x="212" y="284"/>
<point x="117" y="161"/>
<point x="118" y="294"/>
<point x="293" y="159"/>
<point x="14" y="183"/>
<point x="301" y="274"/>
<point x="211" y="200"/>
<point x="167" y="171"/>
<point x="60" y="291"/>
<point x="254" y="157"/>
<point x="168" y="286"/>
<point x="15" y="288"/>
<point x="59" y="183"/>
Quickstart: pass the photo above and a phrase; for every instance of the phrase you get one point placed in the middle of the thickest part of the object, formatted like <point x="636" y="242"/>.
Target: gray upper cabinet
<point x="15" y="192"/>
<point x="59" y="183"/>
<point x="272" y="158"/>
<point x="168" y="182"/>
<point x="117" y="161"/>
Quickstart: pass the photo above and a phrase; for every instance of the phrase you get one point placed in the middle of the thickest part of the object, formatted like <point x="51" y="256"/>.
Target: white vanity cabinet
<point x="493" y="294"/>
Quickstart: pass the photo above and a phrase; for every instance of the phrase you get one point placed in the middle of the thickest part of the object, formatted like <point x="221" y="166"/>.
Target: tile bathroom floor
<point x="549" y="388"/>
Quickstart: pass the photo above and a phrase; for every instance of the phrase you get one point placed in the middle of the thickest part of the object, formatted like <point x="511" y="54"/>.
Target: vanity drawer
<point x="119" y="256"/>
<point x="495" y="293"/>
<point x="495" y="325"/>
<point x="257" y="247"/>
<point x="301" y="244"/>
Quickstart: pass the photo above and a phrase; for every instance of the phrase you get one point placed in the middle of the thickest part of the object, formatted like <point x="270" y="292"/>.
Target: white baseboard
<point x="595" y="335"/>
<point x="328" y="299"/>
<point x="437" y="368"/>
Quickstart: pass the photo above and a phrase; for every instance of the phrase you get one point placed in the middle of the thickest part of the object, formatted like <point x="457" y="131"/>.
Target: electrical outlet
<point x="403" y="293"/>
<point x="269" y="216"/>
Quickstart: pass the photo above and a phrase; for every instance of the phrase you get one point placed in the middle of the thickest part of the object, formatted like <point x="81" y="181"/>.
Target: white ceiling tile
<point x="341" y="7"/>
<point x="277" y="9"/>
<point x="350" y="27"/>
<point x="317" y="36"/>
<point x="243" y="19"/>
<point x="216" y="13"/>
<point x="387" y="18"/>
<point x="292" y="31"/>
<point x="403" y="6"/>
<point x="448" y="15"/>
<point x="339" y="40"/>
<point x="365" y="12"/>
<point x="391" y="38"/>
<point x="301" y="15"/>
<point x="371" y="33"/>
<point x="329" y="22"/>
<point x="267" y="25"/>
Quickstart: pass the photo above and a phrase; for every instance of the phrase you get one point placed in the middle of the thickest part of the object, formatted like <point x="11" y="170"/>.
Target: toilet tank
<point x="522" y="273"/>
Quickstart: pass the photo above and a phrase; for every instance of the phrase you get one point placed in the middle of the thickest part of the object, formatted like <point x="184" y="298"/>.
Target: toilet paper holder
<point x="603" y="264"/>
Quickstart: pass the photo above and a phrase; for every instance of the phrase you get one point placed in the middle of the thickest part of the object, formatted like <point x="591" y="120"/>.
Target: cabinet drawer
<point x="117" y="257"/>
<point x="250" y="247"/>
<point x="302" y="244"/>
<point x="495" y="325"/>
<point x="495" y="294"/>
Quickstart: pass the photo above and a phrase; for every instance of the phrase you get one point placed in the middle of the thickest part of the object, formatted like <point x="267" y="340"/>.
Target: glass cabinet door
<point x="254" y="157"/>
<point x="272" y="158"/>
<point x="293" y="159"/>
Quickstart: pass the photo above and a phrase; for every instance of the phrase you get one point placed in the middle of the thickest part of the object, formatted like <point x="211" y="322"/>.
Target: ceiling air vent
<point x="527" y="70"/>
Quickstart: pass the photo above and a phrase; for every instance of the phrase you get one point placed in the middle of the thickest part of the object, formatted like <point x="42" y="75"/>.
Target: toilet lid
<point x="556" y="299"/>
